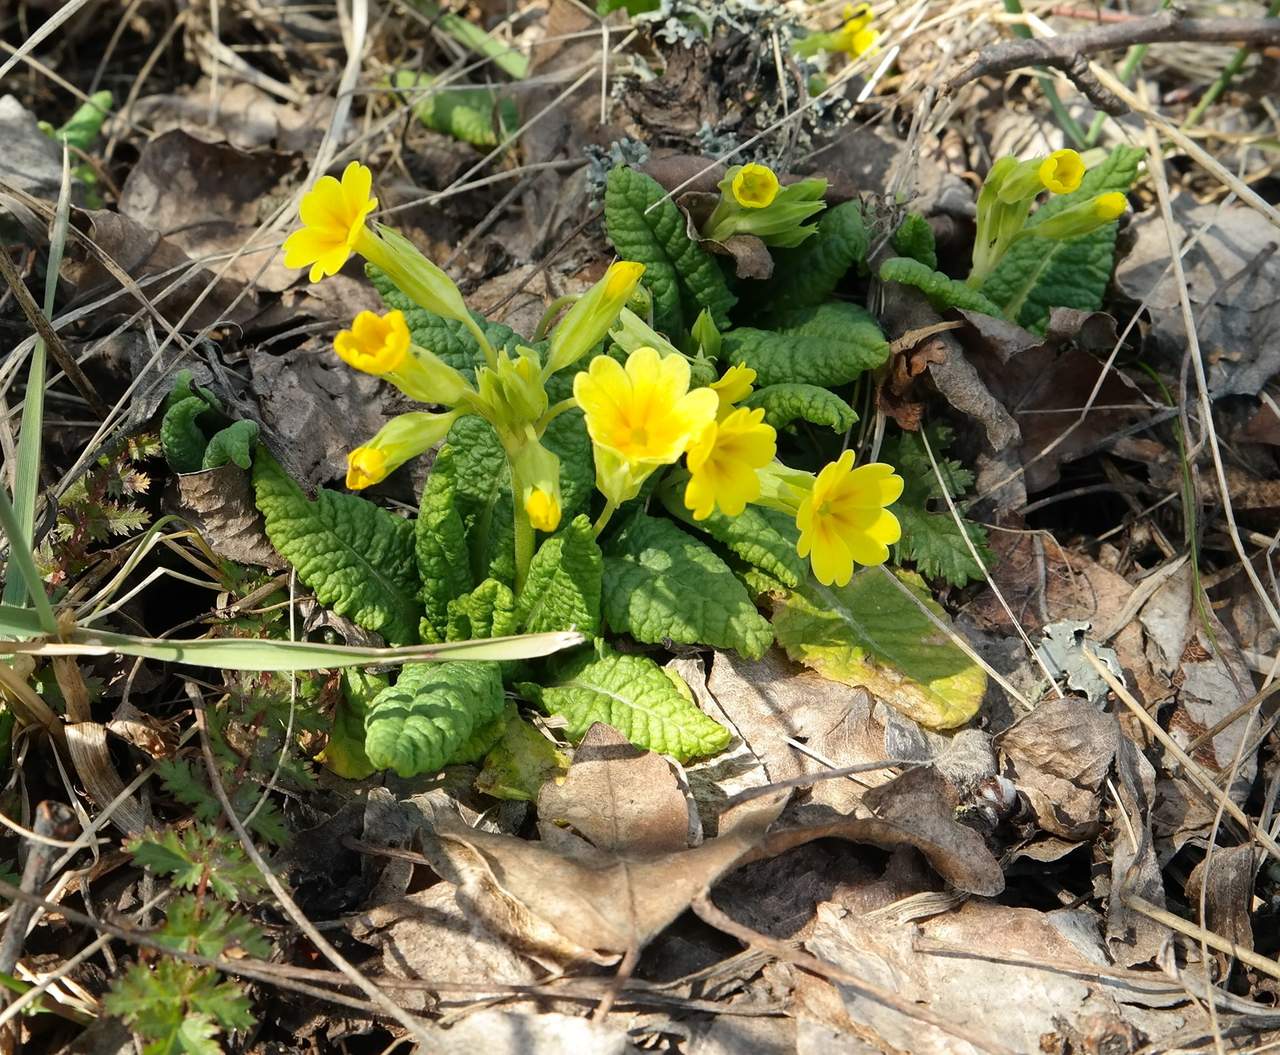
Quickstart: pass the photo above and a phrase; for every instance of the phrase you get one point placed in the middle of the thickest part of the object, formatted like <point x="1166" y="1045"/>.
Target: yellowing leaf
<point x="871" y="634"/>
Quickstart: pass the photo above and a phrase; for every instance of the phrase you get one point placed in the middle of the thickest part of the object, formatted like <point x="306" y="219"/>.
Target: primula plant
<point x="649" y="464"/>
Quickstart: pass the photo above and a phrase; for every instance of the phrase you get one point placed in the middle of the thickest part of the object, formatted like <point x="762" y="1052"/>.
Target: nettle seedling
<point x="650" y="463"/>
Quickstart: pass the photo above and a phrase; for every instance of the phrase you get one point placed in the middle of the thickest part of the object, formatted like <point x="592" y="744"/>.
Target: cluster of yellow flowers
<point x="1004" y="205"/>
<point x="855" y="37"/>
<point x="640" y="416"/>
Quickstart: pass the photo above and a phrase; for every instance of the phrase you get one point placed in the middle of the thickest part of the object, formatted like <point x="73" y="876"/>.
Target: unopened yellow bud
<point x="587" y="323"/>
<point x="366" y="466"/>
<point x="1110" y="206"/>
<point x="375" y="344"/>
<point x="1081" y="218"/>
<point x="755" y="186"/>
<point x="543" y="510"/>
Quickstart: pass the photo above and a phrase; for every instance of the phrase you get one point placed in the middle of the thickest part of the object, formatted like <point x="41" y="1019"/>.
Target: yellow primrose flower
<point x="863" y="42"/>
<point x="843" y="519"/>
<point x="755" y="186"/>
<point x="333" y="215"/>
<point x="733" y="388"/>
<point x="1109" y="206"/>
<point x="403" y="437"/>
<point x="1062" y="171"/>
<point x="375" y="344"/>
<point x="543" y="510"/>
<point x="640" y="416"/>
<point x="723" y="463"/>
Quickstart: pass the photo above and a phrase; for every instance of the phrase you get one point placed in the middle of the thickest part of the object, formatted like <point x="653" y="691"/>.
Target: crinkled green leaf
<point x="447" y="338"/>
<point x="807" y="274"/>
<point x="440" y="545"/>
<point x="1038" y="274"/>
<point x="234" y="444"/>
<point x="786" y="403"/>
<point x="764" y="538"/>
<point x="432" y="710"/>
<point x="520" y="763"/>
<point x="482" y="492"/>
<point x="344" y="753"/>
<point x="487" y="611"/>
<point x="930" y="536"/>
<point x="661" y="584"/>
<point x="566" y="437"/>
<point x="652" y="708"/>
<point x="178" y="1008"/>
<point x="355" y="556"/>
<point x="181" y="437"/>
<point x="869" y="633"/>
<point x="826" y="345"/>
<point x="914" y="238"/>
<point x="474" y="115"/>
<point x="646" y="226"/>
<point x="207" y="928"/>
<point x="563" y="588"/>
<point x="483" y="738"/>
<point x="943" y="291"/>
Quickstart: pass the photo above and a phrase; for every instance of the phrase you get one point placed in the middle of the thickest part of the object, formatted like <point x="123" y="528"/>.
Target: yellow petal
<point x="869" y="486"/>
<point x="323" y="206"/>
<point x="1062" y="171"/>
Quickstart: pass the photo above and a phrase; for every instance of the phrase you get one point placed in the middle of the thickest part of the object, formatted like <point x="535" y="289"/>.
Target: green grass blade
<point x="239" y="654"/>
<point x="26" y="482"/>
<point x="472" y="37"/>
<point x="23" y="566"/>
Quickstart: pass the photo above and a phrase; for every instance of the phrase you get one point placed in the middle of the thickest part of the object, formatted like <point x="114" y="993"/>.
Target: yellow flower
<point x="1062" y="171"/>
<point x="366" y="466"/>
<point x="588" y="322"/>
<point x="543" y="510"/>
<point x="723" y="463"/>
<point x="755" y="186"/>
<point x="843" y="518"/>
<point x="640" y="416"/>
<point x="333" y="215"/>
<point x="1110" y="206"/>
<point x="375" y="344"/>
<point x="733" y="387"/>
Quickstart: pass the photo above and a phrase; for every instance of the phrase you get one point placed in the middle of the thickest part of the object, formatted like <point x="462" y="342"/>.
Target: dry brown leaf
<point x="219" y="504"/>
<point x="1228" y="894"/>
<point x="621" y="798"/>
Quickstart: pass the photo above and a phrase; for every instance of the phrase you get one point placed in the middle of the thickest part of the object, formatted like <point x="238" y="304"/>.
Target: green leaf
<point x="661" y="584"/>
<point x="487" y="611"/>
<point x="807" y="275"/>
<point x="418" y="724"/>
<point x="870" y="634"/>
<point x="207" y="928"/>
<point x="566" y="437"/>
<point x="784" y="404"/>
<point x="344" y="753"/>
<point x="1038" y="274"/>
<point x="943" y="291"/>
<point x="178" y="1008"/>
<point x="652" y="708"/>
<point x="235" y="444"/>
<point x="83" y="127"/>
<point x="183" y="440"/>
<point x="632" y="7"/>
<point x="520" y="763"/>
<point x="198" y="852"/>
<point x="482" y="493"/>
<point x="827" y="345"/>
<point x="483" y="739"/>
<point x="473" y="115"/>
<point x="930" y="536"/>
<point x="764" y="538"/>
<point x="440" y="545"/>
<point x="914" y="238"/>
<point x="646" y="226"/>
<point x="564" y="584"/>
<point x="355" y="556"/>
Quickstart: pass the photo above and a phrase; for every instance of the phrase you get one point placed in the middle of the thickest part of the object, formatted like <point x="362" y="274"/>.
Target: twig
<point x="49" y="335"/>
<point x="1068" y="52"/>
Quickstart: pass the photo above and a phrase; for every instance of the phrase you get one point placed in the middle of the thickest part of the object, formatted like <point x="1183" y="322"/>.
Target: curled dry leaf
<point x="219" y="503"/>
<point x="623" y="799"/>
<point x="1224" y="880"/>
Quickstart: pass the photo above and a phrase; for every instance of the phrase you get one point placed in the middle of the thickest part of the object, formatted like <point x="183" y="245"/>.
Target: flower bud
<point x="400" y="439"/>
<point x="414" y="275"/>
<point x="1081" y="218"/>
<point x="1059" y="173"/>
<point x="513" y="390"/>
<point x="587" y="323"/>
<point x="536" y="479"/>
<point x="382" y="346"/>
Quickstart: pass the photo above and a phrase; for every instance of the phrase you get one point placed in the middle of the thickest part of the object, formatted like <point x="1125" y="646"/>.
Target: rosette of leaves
<point x="196" y="433"/>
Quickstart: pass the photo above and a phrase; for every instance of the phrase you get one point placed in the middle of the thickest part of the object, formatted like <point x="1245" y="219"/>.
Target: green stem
<point x="490" y="356"/>
<point x="524" y="542"/>
<point x="1225" y="78"/>
<point x="549" y="316"/>
<point x="605" y="516"/>
<point x="1068" y="123"/>
<point x="555" y="411"/>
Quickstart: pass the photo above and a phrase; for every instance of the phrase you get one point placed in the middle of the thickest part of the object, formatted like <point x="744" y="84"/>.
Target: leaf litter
<point x="984" y="857"/>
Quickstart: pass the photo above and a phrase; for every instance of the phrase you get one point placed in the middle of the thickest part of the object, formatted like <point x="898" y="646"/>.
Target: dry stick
<point x="1067" y="52"/>
<point x="1261" y="963"/>
<point x="50" y="336"/>
<point x="384" y="1002"/>
<point x="706" y="911"/>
